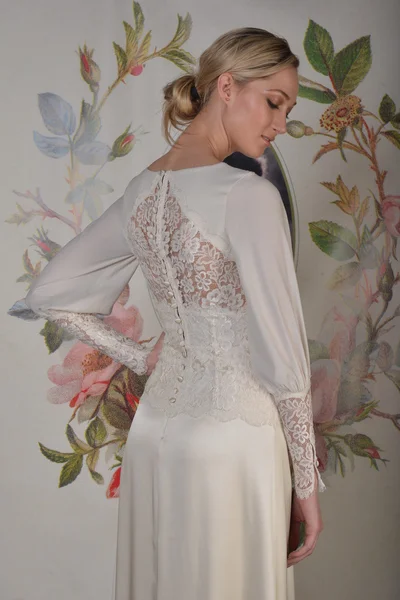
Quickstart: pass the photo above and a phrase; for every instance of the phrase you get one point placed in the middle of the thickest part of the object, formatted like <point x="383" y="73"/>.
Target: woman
<point x="206" y="492"/>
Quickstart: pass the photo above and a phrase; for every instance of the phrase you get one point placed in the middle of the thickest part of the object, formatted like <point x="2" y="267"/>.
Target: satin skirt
<point x="204" y="511"/>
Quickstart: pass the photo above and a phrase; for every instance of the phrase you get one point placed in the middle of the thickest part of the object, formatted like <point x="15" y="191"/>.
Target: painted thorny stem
<point x="48" y="212"/>
<point x="394" y="418"/>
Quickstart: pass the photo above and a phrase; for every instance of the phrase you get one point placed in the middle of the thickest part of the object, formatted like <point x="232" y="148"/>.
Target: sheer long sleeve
<point x="259" y="235"/>
<point x="82" y="283"/>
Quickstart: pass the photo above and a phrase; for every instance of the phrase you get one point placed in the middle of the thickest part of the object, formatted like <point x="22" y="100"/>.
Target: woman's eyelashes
<point x="275" y="106"/>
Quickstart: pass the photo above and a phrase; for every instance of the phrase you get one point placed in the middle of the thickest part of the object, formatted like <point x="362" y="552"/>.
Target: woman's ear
<point x="225" y="86"/>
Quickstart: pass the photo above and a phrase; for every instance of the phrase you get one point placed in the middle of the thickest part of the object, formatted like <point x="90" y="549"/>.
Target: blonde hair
<point x="247" y="53"/>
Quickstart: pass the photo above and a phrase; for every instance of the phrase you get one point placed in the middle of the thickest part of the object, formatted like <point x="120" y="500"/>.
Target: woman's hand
<point x="152" y="358"/>
<point x="306" y="511"/>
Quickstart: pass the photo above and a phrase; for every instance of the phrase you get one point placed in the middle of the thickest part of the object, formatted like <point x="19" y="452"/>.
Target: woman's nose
<point x="280" y="125"/>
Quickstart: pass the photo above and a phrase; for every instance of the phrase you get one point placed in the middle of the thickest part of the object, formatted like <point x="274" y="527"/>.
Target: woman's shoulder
<point x="255" y="191"/>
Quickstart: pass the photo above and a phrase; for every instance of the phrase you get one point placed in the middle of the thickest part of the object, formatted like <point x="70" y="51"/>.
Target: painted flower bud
<point x="362" y="445"/>
<point x="136" y="70"/>
<point x="386" y="281"/>
<point x="45" y="246"/>
<point x="296" y="129"/>
<point x="90" y="70"/>
<point x="123" y="144"/>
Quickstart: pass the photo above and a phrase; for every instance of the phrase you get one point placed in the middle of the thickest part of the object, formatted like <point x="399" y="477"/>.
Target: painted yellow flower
<point x="341" y="113"/>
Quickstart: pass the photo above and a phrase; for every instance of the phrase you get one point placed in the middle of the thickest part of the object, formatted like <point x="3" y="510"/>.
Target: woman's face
<point x="255" y="113"/>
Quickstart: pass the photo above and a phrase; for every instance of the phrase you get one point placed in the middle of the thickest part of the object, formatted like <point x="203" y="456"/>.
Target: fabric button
<point x="180" y="330"/>
<point x="182" y="343"/>
<point x="176" y="390"/>
<point x="166" y="282"/>
<point x="170" y="294"/>
<point x="172" y="400"/>
<point x="178" y="320"/>
<point x="180" y="378"/>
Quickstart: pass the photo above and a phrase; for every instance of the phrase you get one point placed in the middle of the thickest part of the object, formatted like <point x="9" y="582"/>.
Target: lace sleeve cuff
<point x="91" y="330"/>
<point x="297" y="420"/>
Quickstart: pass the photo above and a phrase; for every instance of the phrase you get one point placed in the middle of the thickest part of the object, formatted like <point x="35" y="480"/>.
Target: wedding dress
<point x="224" y="428"/>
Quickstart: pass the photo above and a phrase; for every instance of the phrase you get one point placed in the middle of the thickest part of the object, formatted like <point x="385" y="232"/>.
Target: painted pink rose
<point x="85" y="371"/>
<point x="391" y="214"/>
<point x="325" y="382"/>
<point x="339" y="332"/>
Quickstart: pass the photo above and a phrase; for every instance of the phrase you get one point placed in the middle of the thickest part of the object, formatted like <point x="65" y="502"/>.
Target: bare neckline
<point x="186" y="169"/>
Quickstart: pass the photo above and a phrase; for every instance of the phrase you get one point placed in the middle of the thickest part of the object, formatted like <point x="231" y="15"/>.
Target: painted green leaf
<point x="71" y="470"/>
<point x="183" y="31"/>
<point x="182" y="59"/>
<point x="387" y="109"/>
<point x="96" y="433"/>
<point x="92" y="459"/>
<point x="333" y="239"/>
<point x="21" y="217"/>
<point x="351" y="65"/>
<point x="121" y="58"/>
<point x="351" y="394"/>
<point x="97" y="477"/>
<point x="392" y="136"/>
<point x="315" y="91"/>
<point x="144" y="48"/>
<point x="116" y="409"/>
<point x="318" y="46"/>
<point x="369" y="255"/>
<point x="53" y="336"/>
<point x="317" y="350"/>
<point x="345" y="276"/>
<point x="88" y="409"/>
<point x="91" y="462"/>
<point x="54" y="455"/>
<point x="325" y="148"/>
<point x="385" y="358"/>
<point x="89" y="125"/>
<point x="131" y="41"/>
<point x="323" y="97"/>
<point x="357" y="365"/>
<point x="396" y="121"/>
<point x="139" y="18"/>
<point x="76" y="444"/>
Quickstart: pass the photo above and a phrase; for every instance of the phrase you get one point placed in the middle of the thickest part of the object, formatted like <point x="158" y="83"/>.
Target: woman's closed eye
<point x="275" y="106"/>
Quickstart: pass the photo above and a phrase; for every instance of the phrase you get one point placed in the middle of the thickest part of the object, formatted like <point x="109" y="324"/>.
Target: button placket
<point x="172" y="299"/>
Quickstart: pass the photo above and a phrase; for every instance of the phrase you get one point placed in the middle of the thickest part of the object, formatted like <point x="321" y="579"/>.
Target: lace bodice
<point x="226" y="298"/>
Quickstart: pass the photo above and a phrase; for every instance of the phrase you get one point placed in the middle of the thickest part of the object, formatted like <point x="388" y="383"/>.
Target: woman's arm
<point x="258" y="230"/>
<point x="84" y="280"/>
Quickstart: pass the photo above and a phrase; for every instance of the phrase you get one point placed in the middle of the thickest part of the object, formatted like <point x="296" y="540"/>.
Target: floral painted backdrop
<point x="352" y="351"/>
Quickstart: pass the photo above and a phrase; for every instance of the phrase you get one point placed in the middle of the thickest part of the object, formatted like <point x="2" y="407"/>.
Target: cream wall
<point x="60" y="543"/>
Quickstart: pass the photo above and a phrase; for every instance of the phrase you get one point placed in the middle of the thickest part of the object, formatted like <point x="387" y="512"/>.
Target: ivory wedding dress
<point x="206" y="480"/>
